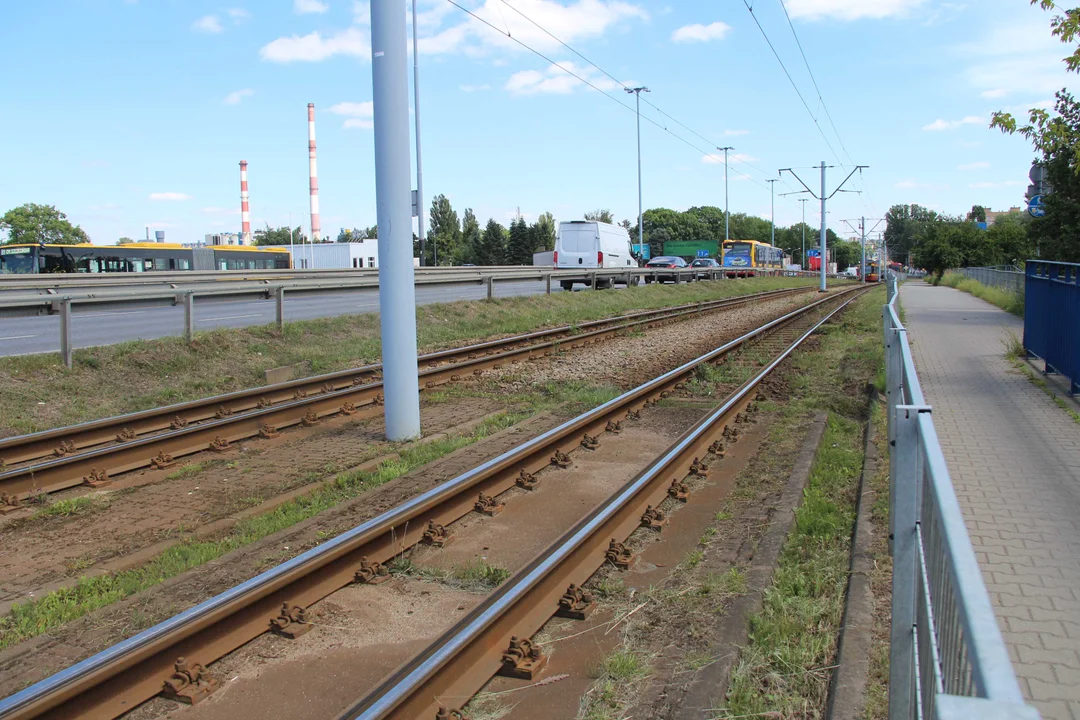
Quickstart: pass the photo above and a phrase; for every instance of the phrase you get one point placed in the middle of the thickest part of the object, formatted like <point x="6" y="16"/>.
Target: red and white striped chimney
<point x="314" y="174"/>
<point x="245" y="214"/>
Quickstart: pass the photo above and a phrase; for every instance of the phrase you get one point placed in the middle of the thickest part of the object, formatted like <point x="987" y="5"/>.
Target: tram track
<point x="94" y="452"/>
<point x="118" y="679"/>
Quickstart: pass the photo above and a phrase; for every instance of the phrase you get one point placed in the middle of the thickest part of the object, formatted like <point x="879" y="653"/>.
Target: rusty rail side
<point x="119" y="678"/>
<point x="443" y="677"/>
<point x="277" y="409"/>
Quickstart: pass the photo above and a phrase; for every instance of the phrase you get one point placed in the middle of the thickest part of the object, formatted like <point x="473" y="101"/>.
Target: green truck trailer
<point x="690" y="249"/>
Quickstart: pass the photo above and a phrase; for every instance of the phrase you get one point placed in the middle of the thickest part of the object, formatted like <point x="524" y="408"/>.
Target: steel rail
<point x="458" y="664"/>
<point x="121" y="677"/>
<point x="92" y="452"/>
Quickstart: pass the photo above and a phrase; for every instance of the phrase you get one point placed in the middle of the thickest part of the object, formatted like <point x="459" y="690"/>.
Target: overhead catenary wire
<point x="578" y="76"/>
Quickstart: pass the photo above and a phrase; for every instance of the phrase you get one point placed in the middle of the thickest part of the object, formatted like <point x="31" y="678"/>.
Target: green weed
<point x="1008" y="301"/>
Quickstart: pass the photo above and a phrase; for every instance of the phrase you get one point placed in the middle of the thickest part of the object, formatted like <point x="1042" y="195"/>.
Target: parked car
<point x="589" y="245"/>
<point x="666" y="262"/>
<point x="705" y="264"/>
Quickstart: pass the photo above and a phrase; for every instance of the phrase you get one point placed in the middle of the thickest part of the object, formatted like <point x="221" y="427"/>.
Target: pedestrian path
<point x="1014" y="457"/>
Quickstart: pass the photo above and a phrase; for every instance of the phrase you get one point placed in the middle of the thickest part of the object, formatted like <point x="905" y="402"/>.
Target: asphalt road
<point x="41" y="334"/>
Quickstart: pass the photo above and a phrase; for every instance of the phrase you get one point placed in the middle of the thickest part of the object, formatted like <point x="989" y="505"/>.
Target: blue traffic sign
<point x="1036" y="207"/>
<point x="703" y="253"/>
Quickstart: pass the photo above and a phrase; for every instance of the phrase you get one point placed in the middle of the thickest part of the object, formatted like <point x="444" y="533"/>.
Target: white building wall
<point x="334" y="256"/>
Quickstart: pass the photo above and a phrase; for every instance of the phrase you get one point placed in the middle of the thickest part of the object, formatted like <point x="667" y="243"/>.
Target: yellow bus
<point x="743" y="258"/>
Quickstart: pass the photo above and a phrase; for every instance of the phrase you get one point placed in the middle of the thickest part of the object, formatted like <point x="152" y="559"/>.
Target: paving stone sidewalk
<point x="1014" y="457"/>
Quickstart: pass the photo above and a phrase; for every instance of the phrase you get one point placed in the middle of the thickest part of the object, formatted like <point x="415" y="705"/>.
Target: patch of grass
<point x="38" y="393"/>
<point x="877" y="684"/>
<point x="1008" y="301"/>
<point x="189" y="470"/>
<point x="52" y="610"/>
<point x="617" y="677"/>
<point x="72" y="506"/>
<point x="486" y="706"/>
<point x="1040" y="383"/>
<point x="692" y="559"/>
<point x="793" y="639"/>
<point x="473" y="576"/>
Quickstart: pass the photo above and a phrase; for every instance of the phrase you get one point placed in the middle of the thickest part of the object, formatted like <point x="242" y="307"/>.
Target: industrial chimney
<point x="314" y="174"/>
<point x="245" y="214"/>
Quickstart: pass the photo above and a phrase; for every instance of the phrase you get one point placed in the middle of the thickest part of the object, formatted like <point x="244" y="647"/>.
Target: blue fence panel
<point x="1052" y="317"/>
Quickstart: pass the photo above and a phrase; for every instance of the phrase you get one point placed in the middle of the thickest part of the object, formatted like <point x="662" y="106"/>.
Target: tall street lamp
<point x="726" y="214"/>
<point x="636" y="92"/>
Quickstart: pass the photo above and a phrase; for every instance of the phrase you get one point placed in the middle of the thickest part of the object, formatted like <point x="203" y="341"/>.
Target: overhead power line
<point x="614" y="99"/>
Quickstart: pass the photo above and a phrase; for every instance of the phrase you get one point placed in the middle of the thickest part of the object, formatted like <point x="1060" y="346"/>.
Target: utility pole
<point x="772" y="217"/>
<point x="802" y="258"/>
<point x="636" y="92"/>
<point x="823" y="198"/>
<point x="419" y="159"/>
<point x="727" y="215"/>
<point x="862" y="262"/>
<point x="397" y="291"/>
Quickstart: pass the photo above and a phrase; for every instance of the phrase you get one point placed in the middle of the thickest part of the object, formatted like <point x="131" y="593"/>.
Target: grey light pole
<point x="862" y="261"/>
<point x="419" y="157"/>
<point x="824" y="256"/>
<point x="636" y="92"/>
<point x="772" y="218"/>
<point x="727" y="215"/>
<point x="397" y="293"/>
<point x="802" y="258"/>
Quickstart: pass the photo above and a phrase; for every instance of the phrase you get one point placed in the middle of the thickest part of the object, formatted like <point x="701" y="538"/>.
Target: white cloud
<point x="736" y="133"/>
<point x="207" y="24"/>
<point x="974" y="166"/>
<point x="314" y="47"/>
<point x="359" y="114"/>
<point x="556" y="80"/>
<point x="474" y="88"/>
<point x="1013" y="57"/>
<point x="221" y="211"/>
<point x="701" y="33"/>
<point x="571" y="22"/>
<point x="913" y="185"/>
<point x="238" y="15"/>
<point x="994" y="94"/>
<point x="939" y="124"/>
<point x="850" y="9"/>
<point x="303" y="7"/>
<point x="236" y="96"/>
<point x="169" y="196"/>
<point x="994" y="185"/>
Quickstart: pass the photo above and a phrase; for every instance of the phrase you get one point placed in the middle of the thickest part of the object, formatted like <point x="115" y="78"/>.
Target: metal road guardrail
<point x="1052" y="318"/>
<point x="947" y="659"/>
<point x="1006" y="277"/>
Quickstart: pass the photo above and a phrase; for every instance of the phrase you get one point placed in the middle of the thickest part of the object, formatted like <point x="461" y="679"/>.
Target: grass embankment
<point x="38" y="393"/>
<point x="1004" y="299"/>
<point x="784" y="670"/>
<point x="90" y="593"/>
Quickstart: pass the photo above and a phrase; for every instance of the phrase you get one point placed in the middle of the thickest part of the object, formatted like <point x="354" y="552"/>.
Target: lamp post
<point x="726" y="213"/>
<point x="636" y="92"/>
<point x="772" y="218"/>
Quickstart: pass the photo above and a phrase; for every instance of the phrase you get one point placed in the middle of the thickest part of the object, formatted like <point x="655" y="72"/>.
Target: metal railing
<point x="1006" y="277"/>
<point x="1052" y="318"/>
<point x="947" y="658"/>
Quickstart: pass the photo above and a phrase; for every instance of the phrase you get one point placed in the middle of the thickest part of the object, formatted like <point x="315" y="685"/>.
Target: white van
<point x="590" y="245"/>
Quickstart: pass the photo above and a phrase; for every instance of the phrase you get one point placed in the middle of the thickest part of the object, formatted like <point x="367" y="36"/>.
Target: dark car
<point x="706" y="264"/>
<point x="665" y="262"/>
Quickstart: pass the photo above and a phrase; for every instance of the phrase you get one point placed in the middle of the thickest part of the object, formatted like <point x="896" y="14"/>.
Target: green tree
<point x="278" y="236"/>
<point x="444" y="236"/>
<point x="519" y="250"/>
<point x="846" y="254"/>
<point x="125" y="241"/>
<point x="1009" y="236"/>
<point x="903" y="226"/>
<point x="492" y="245"/>
<point x="471" y="246"/>
<point x="543" y="231"/>
<point x="977" y="214"/>
<point x="35" y="224"/>
<point x="934" y="253"/>
<point x="603" y="216"/>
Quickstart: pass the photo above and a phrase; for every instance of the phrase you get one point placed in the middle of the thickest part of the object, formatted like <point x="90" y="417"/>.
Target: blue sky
<point x="135" y="113"/>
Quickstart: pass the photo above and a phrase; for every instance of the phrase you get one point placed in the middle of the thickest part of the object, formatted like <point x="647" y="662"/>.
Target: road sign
<point x="1038" y="173"/>
<point x="703" y="253"/>
<point x="1036" y="207"/>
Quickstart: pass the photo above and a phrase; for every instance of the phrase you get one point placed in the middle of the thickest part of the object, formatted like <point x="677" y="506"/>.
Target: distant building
<point x="991" y="216"/>
<point x="226" y="238"/>
<point x="334" y="256"/>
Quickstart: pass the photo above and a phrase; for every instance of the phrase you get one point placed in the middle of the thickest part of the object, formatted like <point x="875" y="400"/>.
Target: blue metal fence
<point x="1052" y="317"/>
<point x="947" y="660"/>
